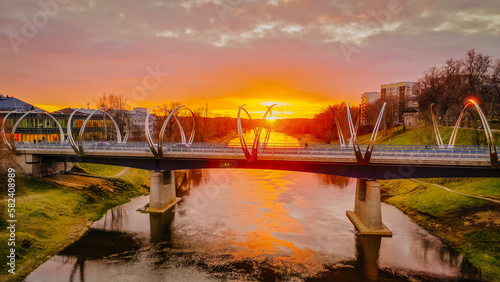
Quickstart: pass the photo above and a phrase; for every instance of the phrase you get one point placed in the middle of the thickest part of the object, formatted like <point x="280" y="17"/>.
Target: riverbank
<point x="54" y="212"/>
<point x="469" y="225"/>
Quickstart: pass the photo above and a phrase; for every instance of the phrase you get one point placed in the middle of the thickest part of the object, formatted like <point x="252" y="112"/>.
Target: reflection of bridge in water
<point x="344" y="159"/>
<point x="112" y="242"/>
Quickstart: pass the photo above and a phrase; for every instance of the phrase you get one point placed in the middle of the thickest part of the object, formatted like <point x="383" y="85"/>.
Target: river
<point x="253" y="225"/>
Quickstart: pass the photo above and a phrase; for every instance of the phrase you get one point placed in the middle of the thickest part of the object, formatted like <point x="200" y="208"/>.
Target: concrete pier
<point x="367" y="215"/>
<point x="162" y="192"/>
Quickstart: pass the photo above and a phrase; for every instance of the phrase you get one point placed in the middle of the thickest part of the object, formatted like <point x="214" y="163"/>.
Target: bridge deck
<point x="382" y="154"/>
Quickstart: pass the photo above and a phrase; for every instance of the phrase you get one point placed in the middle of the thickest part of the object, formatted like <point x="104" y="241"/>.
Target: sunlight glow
<point x="472" y="100"/>
<point x="270" y="103"/>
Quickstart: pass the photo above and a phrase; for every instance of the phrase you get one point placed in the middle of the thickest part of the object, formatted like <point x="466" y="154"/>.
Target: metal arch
<point x="82" y="129"/>
<point x="181" y="129"/>
<point x="339" y="129"/>
<point x="354" y="138"/>
<point x="243" y="142"/>
<point x="69" y="131"/>
<point x="491" y="144"/>
<point x="355" y="130"/>
<point x="257" y="132"/>
<point x="127" y="134"/>
<point x="193" y="130"/>
<point x="13" y="144"/>
<point x="256" y="141"/>
<point x="4" y="136"/>
<point x="149" y="139"/>
<point x="373" y="138"/>
<point x="457" y="125"/>
<point x="487" y="131"/>
<point x="436" y="128"/>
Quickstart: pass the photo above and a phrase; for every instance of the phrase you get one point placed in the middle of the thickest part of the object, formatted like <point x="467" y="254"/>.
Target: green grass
<point x="428" y="199"/>
<point x="489" y="187"/>
<point x="100" y="170"/>
<point x="51" y="216"/>
<point x="445" y="214"/>
<point x="424" y="135"/>
<point x="488" y="241"/>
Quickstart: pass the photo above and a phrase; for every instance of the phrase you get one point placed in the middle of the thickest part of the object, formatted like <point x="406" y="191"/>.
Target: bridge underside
<point x="369" y="171"/>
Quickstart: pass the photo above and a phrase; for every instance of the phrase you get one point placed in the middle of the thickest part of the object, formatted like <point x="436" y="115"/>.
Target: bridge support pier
<point x="162" y="192"/>
<point x="367" y="215"/>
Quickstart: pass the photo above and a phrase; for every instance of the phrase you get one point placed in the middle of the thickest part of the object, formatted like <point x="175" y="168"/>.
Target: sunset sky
<point x="304" y="54"/>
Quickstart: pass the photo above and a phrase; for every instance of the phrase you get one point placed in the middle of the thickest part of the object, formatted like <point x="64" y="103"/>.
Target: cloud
<point x="216" y="49"/>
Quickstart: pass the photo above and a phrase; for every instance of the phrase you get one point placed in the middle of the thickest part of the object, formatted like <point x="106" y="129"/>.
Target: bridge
<point x="367" y="162"/>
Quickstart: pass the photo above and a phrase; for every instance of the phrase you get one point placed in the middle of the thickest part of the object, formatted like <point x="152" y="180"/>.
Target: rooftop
<point x="9" y="104"/>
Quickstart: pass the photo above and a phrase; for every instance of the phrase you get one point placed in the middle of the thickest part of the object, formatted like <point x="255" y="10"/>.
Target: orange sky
<point x="303" y="54"/>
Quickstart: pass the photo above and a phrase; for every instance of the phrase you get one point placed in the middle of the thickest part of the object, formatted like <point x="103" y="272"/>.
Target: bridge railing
<point x="279" y="151"/>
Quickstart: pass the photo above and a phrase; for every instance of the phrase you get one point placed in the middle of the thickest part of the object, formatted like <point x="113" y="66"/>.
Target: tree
<point x="117" y="104"/>
<point x="494" y="90"/>
<point x="476" y="68"/>
<point x="458" y="79"/>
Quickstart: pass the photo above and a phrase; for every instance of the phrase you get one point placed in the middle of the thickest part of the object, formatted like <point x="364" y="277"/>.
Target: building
<point x="38" y="126"/>
<point x="9" y="104"/>
<point x="366" y="99"/>
<point x="137" y="120"/>
<point x="407" y="113"/>
<point x="402" y="90"/>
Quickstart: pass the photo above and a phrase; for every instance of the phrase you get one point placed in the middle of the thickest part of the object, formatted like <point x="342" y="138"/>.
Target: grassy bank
<point x="52" y="215"/>
<point x="469" y="225"/>
<point x="99" y="170"/>
<point x="425" y="136"/>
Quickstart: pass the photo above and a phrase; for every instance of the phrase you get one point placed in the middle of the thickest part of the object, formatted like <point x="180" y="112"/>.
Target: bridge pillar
<point x="162" y="192"/>
<point x="367" y="215"/>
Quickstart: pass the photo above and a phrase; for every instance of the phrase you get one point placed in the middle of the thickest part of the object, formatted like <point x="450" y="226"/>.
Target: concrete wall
<point x="30" y="164"/>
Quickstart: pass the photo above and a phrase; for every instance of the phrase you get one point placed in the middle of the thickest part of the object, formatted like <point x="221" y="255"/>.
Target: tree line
<point x="448" y="87"/>
<point x="208" y="127"/>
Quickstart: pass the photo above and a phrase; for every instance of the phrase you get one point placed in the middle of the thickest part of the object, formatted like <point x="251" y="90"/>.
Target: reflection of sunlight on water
<point x="269" y="215"/>
<point x="275" y="138"/>
<point x="236" y="224"/>
<point x="259" y="217"/>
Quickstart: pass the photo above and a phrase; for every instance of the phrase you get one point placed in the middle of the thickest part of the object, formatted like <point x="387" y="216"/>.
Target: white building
<point x="137" y="120"/>
<point x="402" y="90"/>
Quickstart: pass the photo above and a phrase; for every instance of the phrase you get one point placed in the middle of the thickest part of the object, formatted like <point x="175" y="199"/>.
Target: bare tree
<point x="475" y="75"/>
<point x="117" y="104"/>
<point x="494" y="109"/>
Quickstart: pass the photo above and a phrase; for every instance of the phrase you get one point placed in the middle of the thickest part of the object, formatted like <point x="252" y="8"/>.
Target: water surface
<point x="247" y="225"/>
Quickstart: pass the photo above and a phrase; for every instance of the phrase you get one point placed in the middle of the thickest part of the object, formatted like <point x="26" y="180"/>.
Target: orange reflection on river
<point x="275" y="138"/>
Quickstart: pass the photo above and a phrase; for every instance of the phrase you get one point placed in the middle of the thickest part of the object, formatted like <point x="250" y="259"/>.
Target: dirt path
<point x="447" y="189"/>
<point x="120" y="173"/>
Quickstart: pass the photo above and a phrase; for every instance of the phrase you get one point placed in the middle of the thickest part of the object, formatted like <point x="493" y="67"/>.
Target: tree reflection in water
<point x="186" y="180"/>
<point x="327" y="179"/>
<point x="98" y="245"/>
